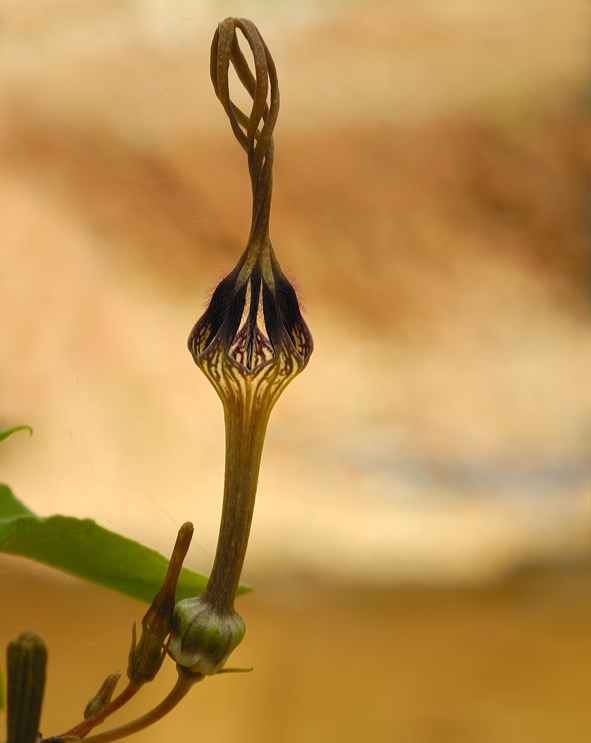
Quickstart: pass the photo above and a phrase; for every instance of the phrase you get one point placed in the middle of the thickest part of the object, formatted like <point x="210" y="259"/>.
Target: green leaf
<point x="9" y="431"/>
<point x="84" y="549"/>
<point x="10" y="506"/>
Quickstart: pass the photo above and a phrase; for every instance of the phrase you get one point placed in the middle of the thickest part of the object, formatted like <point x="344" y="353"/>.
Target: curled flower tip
<point x="253" y="321"/>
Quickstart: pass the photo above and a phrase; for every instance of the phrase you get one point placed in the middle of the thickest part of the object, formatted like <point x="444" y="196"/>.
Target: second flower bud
<point x="203" y="638"/>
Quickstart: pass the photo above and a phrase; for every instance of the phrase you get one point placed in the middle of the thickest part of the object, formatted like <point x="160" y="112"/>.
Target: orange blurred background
<point x="420" y="546"/>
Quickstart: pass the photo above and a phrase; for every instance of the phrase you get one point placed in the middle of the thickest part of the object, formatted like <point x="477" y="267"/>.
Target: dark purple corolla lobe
<point x="253" y="317"/>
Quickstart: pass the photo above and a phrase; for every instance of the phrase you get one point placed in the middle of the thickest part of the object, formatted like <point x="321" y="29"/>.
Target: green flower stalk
<point x="250" y="343"/>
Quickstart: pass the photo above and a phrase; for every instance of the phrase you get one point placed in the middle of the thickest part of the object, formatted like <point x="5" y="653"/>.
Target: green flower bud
<point x="26" y="660"/>
<point x="203" y="638"/>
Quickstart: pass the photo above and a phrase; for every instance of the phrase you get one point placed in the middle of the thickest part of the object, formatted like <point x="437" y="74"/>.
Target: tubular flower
<point x="250" y="343"/>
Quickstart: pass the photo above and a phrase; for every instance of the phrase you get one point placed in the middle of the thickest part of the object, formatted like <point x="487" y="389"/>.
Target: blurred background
<point x="420" y="546"/>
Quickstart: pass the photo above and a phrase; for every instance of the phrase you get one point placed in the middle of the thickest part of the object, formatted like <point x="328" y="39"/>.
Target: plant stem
<point x="82" y="729"/>
<point x="185" y="681"/>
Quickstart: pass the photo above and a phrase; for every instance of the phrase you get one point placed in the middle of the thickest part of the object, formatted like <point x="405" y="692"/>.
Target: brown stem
<point x="82" y="729"/>
<point x="183" y="684"/>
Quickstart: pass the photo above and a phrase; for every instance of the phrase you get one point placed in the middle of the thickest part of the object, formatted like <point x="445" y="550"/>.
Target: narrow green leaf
<point x="9" y="431"/>
<point x="84" y="549"/>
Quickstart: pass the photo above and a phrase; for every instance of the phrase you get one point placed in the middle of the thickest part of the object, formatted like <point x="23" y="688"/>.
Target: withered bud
<point x="103" y="696"/>
<point x="147" y="655"/>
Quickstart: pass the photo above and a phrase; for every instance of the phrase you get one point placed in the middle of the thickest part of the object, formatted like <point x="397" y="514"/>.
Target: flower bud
<point x="147" y="655"/>
<point x="103" y="696"/>
<point x="26" y="658"/>
<point x="203" y="638"/>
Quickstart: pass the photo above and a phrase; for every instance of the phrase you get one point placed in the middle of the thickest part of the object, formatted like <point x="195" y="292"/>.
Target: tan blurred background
<point x="421" y="540"/>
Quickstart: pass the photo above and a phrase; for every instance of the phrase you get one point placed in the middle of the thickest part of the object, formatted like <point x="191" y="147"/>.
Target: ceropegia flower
<point x="250" y="342"/>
